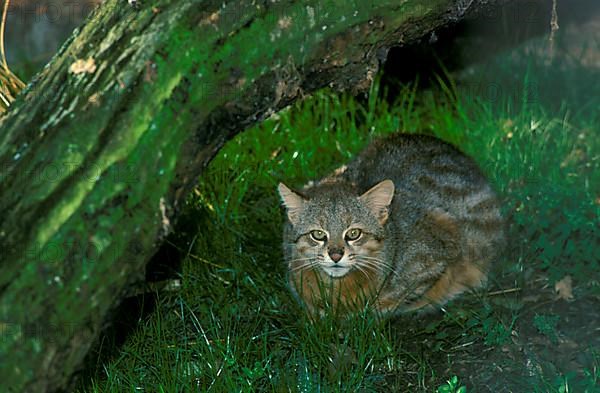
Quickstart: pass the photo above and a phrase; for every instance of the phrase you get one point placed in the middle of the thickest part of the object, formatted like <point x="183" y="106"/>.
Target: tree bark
<point x="96" y="157"/>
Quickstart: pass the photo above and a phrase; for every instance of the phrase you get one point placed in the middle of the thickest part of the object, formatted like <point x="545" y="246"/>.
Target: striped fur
<point x="442" y="229"/>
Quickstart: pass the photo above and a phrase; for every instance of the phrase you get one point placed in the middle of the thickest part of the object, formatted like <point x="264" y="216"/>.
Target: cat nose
<point x="335" y="256"/>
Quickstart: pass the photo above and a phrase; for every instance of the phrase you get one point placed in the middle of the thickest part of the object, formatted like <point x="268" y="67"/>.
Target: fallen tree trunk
<point x="99" y="151"/>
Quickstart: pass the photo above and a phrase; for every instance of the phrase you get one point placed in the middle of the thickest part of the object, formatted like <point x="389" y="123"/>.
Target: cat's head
<point x="334" y="228"/>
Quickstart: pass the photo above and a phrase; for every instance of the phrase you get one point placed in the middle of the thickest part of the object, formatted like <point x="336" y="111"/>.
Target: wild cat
<point x="410" y="223"/>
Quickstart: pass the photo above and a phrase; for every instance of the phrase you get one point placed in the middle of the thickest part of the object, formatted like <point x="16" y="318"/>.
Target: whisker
<point x="372" y="260"/>
<point x="310" y="261"/>
<point x="303" y="266"/>
<point x="369" y="266"/>
<point x="377" y="265"/>
<point x="360" y="269"/>
<point x="299" y="259"/>
<point x="376" y="268"/>
<point x="376" y="262"/>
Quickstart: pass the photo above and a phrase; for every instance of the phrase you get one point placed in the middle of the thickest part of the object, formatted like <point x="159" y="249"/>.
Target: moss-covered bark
<point x="95" y="163"/>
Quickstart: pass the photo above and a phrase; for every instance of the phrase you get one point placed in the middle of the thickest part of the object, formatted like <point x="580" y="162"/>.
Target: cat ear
<point x="378" y="199"/>
<point x="292" y="202"/>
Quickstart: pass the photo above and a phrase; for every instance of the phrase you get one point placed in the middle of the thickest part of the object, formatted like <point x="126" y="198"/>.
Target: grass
<point x="233" y="325"/>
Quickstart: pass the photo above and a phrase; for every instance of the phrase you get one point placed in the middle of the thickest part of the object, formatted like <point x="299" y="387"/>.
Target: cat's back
<point x="427" y="173"/>
<point x="409" y="159"/>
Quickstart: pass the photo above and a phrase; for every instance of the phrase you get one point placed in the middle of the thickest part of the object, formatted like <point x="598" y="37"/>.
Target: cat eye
<point x="353" y="234"/>
<point x="318" y="235"/>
